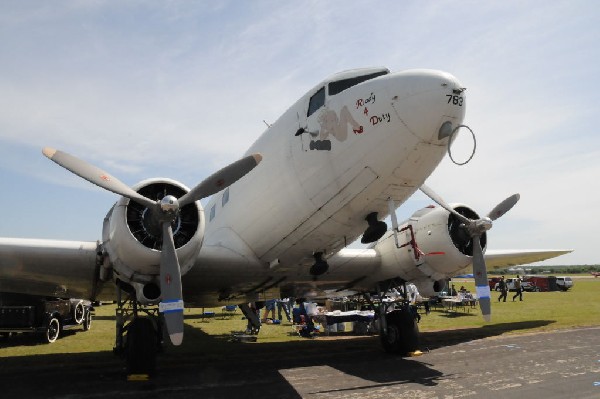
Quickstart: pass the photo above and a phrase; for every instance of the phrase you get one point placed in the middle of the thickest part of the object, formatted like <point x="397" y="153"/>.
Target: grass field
<point x="540" y="311"/>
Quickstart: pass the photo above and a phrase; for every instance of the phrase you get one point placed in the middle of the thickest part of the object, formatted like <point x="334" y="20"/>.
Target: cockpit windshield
<point x="341" y="85"/>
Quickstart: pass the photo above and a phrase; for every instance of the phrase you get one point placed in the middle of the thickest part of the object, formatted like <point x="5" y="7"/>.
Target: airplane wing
<point x="359" y="266"/>
<point x="51" y="268"/>
<point x="496" y="259"/>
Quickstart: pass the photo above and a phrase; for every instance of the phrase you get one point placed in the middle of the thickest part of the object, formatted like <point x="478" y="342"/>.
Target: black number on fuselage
<point x="456" y="100"/>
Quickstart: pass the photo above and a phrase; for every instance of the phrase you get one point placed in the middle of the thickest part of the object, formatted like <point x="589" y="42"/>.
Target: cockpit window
<point x="316" y="101"/>
<point x="341" y="85"/>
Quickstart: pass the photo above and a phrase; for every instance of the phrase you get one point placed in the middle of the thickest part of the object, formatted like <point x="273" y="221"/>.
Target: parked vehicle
<point x="47" y="317"/>
<point x="544" y="283"/>
<point x="492" y="281"/>
<point x="529" y="287"/>
<point x="564" y="283"/>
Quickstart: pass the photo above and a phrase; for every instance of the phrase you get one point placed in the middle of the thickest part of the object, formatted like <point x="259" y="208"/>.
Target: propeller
<point x="95" y="175"/>
<point x="476" y="228"/>
<point x="164" y="212"/>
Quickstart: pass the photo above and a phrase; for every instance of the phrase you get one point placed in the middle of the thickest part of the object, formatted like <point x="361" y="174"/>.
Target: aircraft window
<point x="213" y="210"/>
<point x="316" y="101"/>
<point x="225" y="198"/>
<point x="341" y="85"/>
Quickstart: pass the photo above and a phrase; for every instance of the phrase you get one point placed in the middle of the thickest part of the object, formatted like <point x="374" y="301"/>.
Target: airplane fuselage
<point x="330" y="160"/>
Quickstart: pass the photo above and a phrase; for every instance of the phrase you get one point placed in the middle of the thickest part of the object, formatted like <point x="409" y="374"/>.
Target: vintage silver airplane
<point x="337" y="162"/>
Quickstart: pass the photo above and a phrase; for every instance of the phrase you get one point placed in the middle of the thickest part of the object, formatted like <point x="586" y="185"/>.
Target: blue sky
<point x="181" y="88"/>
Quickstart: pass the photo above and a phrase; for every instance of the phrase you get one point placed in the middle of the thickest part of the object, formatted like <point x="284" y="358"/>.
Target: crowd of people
<point x="283" y="307"/>
<point x="295" y="311"/>
<point x="301" y="313"/>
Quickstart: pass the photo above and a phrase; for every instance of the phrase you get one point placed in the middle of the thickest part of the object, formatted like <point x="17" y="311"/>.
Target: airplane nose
<point x="429" y="103"/>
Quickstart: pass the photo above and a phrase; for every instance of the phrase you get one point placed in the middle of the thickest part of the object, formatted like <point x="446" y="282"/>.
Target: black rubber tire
<point x="87" y="320"/>
<point x="78" y="312"/>
<point x="52" y="330"/>
<point x="140" y="346"/>
<point x="402" y="336"/>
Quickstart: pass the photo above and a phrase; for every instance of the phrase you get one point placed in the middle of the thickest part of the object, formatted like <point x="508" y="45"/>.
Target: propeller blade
<point x="504" y="206"/>
<point x="440" y="201"/>
<point x="171" y="305"/>
<point x="482" y="286"/>
<point x="95" y="175"/>
<point x="221" y="179"/>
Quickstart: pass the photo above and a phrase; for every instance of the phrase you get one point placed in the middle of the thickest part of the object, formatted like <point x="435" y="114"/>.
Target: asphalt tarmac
<point x="560" y="364"/>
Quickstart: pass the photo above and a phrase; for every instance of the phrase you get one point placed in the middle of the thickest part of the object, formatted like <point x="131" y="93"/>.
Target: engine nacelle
<point x="433" y="246"/>
<point x="133" y="243"/>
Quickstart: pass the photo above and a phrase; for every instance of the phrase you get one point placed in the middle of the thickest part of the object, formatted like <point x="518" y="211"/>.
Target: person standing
<point x="283" y="305"/>
<point x="503" y="289"/>
<point x="518" y="288"/>
<point x="269" y="308"/>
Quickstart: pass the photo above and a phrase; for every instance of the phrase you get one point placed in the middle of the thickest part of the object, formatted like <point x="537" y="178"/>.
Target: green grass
<point x="577" y="307"/>
<point x="540" y="311"/>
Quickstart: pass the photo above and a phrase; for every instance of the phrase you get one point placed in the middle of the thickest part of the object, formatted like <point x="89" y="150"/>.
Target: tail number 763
<point x="456" y="100"/>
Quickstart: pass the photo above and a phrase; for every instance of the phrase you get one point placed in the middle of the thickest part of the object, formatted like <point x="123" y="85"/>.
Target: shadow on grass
<point x="452" y="315"/>
<point x="207" y="316"/>
<point x="213" y="366"/>
<point x="438" y="339"/>
<point x="34" y="338"/>
<point x="105" y="317"/>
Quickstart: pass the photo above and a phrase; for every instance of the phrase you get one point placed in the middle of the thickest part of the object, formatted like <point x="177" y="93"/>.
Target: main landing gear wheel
<point x="52" y="330"/>
<point x="141" y="346"/>
<point x="402" y="336"/>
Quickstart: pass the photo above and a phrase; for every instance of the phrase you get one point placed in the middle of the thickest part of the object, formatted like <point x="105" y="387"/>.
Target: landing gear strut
<point x="253" y="319"/>
<point x="398" y="328"/>
<point x="138" y="334"/>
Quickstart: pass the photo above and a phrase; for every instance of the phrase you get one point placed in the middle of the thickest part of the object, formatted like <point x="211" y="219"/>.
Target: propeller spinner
<point x="476" y="228"/>
<point x="164" y="212"/>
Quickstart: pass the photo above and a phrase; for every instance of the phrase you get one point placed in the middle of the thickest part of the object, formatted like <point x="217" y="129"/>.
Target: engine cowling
<point x="133" y="242"/>
<point x="434" y="247"/>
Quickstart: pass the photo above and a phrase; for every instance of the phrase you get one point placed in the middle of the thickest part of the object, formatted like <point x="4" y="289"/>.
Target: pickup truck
<point x="47" y="317"/>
